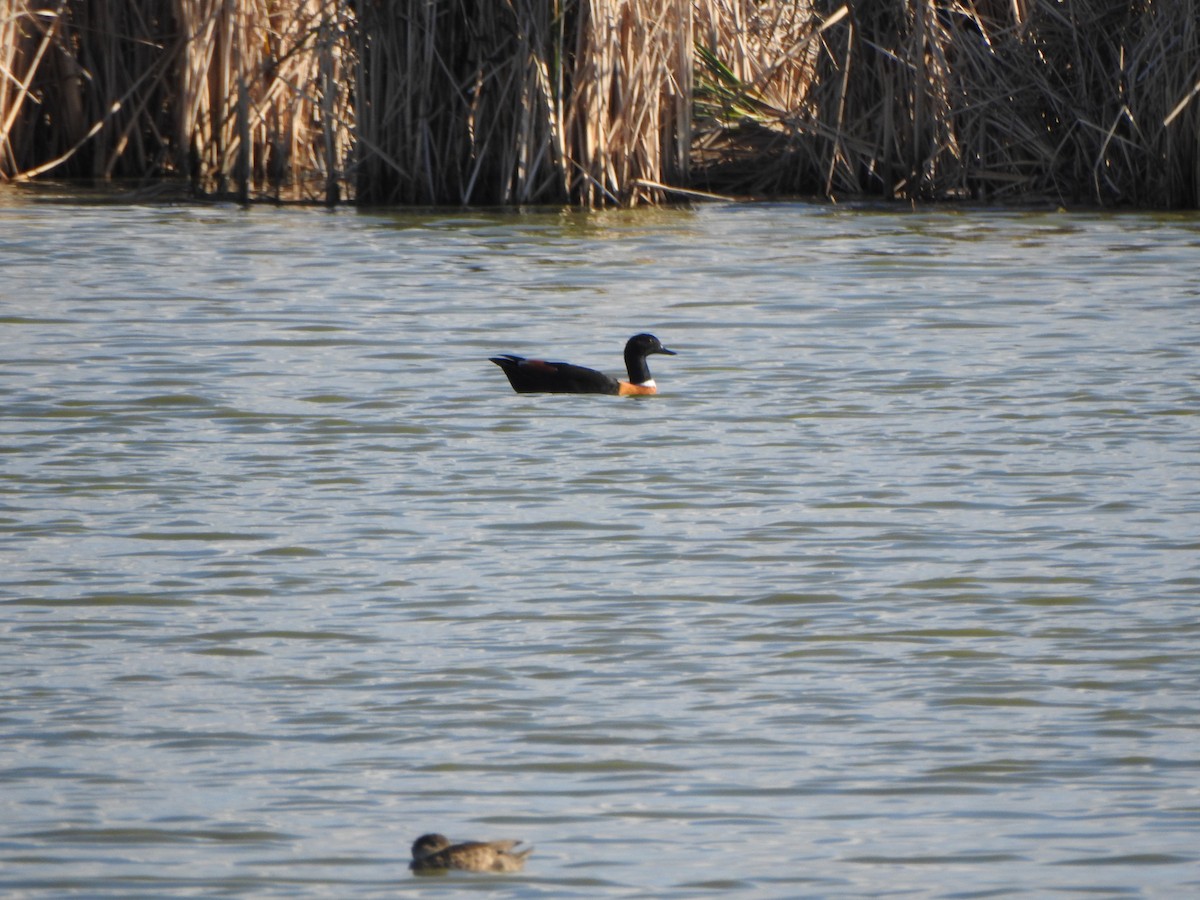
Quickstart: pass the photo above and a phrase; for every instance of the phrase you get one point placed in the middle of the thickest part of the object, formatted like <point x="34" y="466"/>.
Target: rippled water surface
<point x="893" y="590"/>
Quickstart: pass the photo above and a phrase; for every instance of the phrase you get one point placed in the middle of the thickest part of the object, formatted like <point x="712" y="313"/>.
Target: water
<point x="891" y="592"/>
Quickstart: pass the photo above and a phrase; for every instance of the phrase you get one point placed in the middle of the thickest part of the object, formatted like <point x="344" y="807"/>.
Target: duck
<point x="537" y="376"/>
<point x="434" y="854"/>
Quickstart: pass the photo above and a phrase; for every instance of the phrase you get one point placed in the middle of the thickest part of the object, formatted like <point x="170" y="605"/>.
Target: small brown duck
<point x="433" y="854"/>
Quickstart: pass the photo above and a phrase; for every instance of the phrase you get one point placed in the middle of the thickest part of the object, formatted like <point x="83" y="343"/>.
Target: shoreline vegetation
<point x="598" y="103"/>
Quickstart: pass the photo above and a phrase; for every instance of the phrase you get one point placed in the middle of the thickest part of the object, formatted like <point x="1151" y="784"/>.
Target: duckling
<point x="433" y="854"/>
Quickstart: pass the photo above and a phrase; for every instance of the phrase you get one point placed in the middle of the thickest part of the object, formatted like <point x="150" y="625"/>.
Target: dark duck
<point x="537" y="376"/>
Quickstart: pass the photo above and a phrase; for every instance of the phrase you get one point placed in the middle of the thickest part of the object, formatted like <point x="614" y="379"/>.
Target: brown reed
<point x="609" y="102"/>
<point x="244" y="97"/>
<point x="580" y="101"/>
<point x="1081" y="101"/>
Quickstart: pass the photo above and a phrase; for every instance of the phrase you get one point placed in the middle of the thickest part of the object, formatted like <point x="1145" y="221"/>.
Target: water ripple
<point x="890" y="591"/>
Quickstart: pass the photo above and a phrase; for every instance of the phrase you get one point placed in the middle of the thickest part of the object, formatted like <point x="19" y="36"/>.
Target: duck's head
<point x="645" y="344"/>
<point x="429" y="843"/>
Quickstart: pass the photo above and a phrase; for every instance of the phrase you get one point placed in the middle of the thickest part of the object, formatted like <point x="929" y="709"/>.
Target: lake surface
<point x="894" y="590"/>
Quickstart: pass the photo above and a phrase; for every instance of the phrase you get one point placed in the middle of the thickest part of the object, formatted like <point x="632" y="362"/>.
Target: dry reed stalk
<point x="757" y="68"/>
<point x="92" y="97"/>
<point x="591" y="101"/>
<point x="240" y="95"/>
<point x="1090" y="100"/>
<point x="581" y="101"/>
<point x="29" y="35"/>
<point x="628" y="119"/>
<point x="262" y="103"/>
<point x="453" y="102"/>
<point x="767" y="49"/>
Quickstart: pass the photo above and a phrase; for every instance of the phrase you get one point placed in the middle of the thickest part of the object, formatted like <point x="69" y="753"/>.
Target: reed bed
<point x="609" y="102"/>
<point x="243" y="97"/>
<point x="1085" y="100"/>
<point x="529" y="101"/>
<point x="261" y="99"/>
<point x="458" y="102"/>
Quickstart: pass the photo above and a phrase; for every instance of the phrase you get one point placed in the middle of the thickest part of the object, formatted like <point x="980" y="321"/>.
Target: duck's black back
<point x="538" y="377"/>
